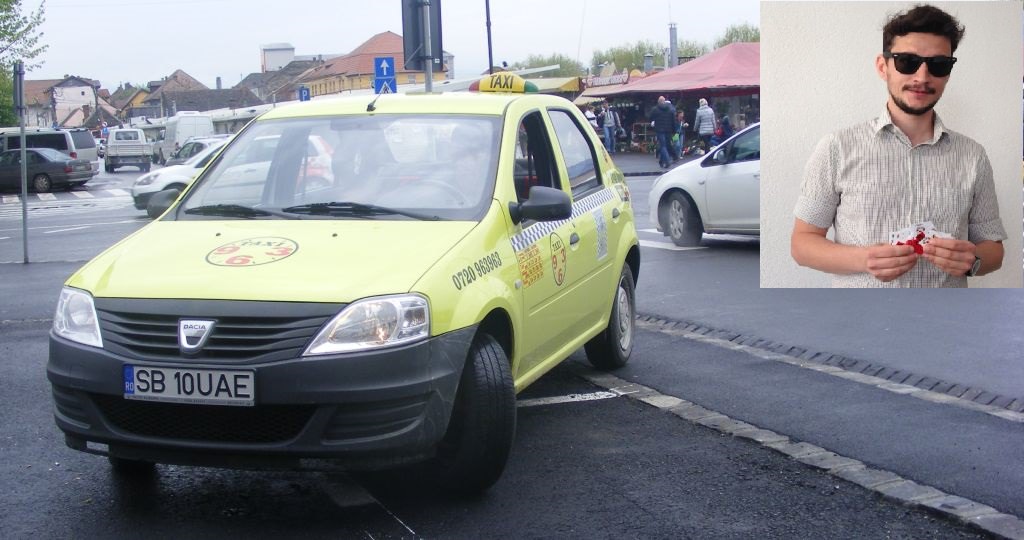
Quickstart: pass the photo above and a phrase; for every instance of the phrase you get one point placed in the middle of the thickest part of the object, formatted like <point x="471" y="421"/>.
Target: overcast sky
<point x="142" y="40"/>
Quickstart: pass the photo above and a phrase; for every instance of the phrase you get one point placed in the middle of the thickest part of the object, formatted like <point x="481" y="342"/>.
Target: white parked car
<point x="717" y="194"/>
<point x="176" y="177"/>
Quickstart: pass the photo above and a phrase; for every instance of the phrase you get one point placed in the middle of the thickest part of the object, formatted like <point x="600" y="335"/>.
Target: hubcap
<point x="676" y="218"/>
<point x="625" y="310"/>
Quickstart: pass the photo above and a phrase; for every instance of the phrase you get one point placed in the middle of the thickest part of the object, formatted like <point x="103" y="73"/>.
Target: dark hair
<point x="925" y="19"/>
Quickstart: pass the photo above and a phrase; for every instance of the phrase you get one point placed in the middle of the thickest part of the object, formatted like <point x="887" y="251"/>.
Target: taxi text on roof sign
<point x="503" y="82"/>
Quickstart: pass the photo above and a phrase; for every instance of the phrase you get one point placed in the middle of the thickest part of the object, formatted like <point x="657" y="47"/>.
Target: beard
<point x="905" y="107"/>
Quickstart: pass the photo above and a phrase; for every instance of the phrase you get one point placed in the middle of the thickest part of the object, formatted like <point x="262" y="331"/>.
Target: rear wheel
<point x="611" y="348"/>
<point x="41" y="183"/>
<point x="107" y="166"/>
<point x="680" y="219"/>
<point x="476" y="446"/>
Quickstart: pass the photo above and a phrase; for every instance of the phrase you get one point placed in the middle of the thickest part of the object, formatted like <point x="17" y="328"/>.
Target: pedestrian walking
<point x="704" y="123"/>
<point x="610" y="123"/>
<point x="663" y="116"/>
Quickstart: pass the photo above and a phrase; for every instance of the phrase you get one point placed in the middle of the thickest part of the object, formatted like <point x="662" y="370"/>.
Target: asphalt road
<point x="600" y="468"/>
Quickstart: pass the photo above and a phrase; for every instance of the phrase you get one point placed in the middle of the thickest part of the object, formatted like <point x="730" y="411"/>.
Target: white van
<point x="180" y="128"/>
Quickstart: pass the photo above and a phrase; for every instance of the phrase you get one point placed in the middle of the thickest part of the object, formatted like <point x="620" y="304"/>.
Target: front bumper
<point x="142" y="198"/>
<point x="364" y="411"/>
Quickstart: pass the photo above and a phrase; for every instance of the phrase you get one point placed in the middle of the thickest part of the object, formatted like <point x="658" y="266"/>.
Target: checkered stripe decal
<point x="542" y="229"/>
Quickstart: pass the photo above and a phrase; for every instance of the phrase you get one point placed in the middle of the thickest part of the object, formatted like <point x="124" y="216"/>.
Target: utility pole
<point x="428" y="66"/>
<point x="19" y="109"/>
<point x="490" y="53"/>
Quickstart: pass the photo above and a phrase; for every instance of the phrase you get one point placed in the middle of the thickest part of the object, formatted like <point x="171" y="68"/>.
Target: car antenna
<point x="371" y="107"/>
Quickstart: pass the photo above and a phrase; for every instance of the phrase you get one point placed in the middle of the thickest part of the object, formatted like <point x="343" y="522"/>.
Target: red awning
<point x="735" y="66"/>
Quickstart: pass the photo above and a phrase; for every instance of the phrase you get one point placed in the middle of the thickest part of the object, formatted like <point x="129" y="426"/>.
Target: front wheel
<point x="41" y="183"/>
<point x="679" y="217"/>
<point x="611" y="348"/>
<point x="131" y="467"/>
<point x="472" y="455"/>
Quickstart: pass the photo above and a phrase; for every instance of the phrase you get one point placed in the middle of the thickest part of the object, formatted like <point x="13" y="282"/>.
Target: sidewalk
<point x="642" y="164"/>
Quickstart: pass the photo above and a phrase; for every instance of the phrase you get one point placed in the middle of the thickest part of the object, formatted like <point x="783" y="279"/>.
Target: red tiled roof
<point x="360" y="60"/>
<point x="38" y="92"/>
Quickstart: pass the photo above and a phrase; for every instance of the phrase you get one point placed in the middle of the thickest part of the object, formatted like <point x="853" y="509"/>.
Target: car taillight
<point x="74" y="155"/>
<point x="67" y="167"/>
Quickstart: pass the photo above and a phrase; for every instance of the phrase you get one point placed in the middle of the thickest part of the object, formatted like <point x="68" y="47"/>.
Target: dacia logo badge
<point x="193" y="333"/>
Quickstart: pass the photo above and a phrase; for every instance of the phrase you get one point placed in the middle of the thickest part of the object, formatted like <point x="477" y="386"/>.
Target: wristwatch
<point x="974" y="267"/>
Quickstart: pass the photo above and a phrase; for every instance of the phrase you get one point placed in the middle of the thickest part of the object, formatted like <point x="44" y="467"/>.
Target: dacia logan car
<point x="462" y="246"/>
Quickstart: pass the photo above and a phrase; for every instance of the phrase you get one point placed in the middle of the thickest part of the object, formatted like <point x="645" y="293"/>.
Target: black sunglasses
<point x="908" y="63"/>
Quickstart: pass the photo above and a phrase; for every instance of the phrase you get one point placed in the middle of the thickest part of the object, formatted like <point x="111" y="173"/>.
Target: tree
<point x="627" y="56"/>
<point x="739" y="33"/>
<point x="692" y="49"/>
<point x="19" y="40"/>
<point x="568" y="66"/>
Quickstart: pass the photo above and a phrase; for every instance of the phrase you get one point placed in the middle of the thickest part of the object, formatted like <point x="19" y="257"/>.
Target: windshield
<point x="403" y="166"/>
<point x="203" y="154"/>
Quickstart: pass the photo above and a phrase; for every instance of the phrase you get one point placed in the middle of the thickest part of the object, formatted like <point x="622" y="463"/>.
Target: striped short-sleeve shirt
<point x="868" y="180"/>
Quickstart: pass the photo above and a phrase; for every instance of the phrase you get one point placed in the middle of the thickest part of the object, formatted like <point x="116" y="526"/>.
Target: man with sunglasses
<point x="902" y="168"/>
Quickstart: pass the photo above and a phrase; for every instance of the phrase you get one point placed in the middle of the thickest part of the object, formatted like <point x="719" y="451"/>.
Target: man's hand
<point x="887" y="262"/>
<point x="952" y="256"/>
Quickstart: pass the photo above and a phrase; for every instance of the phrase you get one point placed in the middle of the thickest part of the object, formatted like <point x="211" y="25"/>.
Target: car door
<point x="10" y="169"/>
<point x="732" y="183"/>
<point x="588" y="264"/>
<point x="542" y="249"/>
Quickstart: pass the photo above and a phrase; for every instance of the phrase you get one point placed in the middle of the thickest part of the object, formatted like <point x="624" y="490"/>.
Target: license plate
<point x="196" y="386"/>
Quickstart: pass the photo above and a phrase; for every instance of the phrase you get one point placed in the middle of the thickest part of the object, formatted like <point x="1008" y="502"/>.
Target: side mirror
<point x="161" y="201"/>
<point x="543" y="204"/>
<point x="721" y="156"/>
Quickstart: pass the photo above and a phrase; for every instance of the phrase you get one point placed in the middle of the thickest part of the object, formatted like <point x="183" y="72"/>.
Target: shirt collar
<point x="879" y="124"/>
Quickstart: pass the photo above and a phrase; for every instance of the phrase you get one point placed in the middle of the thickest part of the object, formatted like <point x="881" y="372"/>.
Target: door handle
<point x="574" y="239"/>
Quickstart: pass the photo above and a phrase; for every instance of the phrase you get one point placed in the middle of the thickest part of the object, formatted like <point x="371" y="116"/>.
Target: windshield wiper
<point x="348" y="208"/>
<point x="237" y="210"/>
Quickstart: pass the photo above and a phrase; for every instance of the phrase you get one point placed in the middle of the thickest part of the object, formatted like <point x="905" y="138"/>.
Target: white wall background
<point x="817" y="75"/>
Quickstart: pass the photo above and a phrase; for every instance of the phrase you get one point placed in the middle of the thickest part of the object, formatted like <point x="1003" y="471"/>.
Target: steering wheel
<point x="449" y="189"/>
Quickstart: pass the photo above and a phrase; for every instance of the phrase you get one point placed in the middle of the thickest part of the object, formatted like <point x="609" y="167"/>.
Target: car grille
<point x="210" y="423"/>
<point x="245" y="332"/>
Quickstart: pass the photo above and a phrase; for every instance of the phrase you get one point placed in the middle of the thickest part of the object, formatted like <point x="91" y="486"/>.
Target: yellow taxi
<point x="376" y="308"/>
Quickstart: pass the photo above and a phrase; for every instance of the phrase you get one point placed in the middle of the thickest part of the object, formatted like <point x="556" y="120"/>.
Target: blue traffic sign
<point x="385" y="85"/>
<point x="304" y="93"/>
<point x="384" y="67"/>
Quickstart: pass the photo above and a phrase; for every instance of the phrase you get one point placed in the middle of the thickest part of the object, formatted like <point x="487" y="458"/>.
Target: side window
<point x="579" y="156"/>
<point x="33" y="158"/>
<point x="535" y="164"/>
<point x="746" y="147"/>
<point x="8" y="158"/>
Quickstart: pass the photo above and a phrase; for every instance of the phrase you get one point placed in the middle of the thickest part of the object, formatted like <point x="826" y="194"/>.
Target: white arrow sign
<point x="384" y="66"/>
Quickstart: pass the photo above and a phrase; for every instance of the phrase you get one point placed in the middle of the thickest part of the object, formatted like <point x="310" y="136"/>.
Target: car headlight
<point x="146" y="179"/>
<point x="372" y="323"/>
<point x="76" y="318"/>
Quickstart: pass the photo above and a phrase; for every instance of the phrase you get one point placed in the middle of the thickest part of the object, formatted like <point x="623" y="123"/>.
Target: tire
<point x="131" y="467"/>
<point x="41" y="183"/>
<point x="472" y="455"/>
<point x="154" y="212"/>
<point x="107" y="166"/>
<point x="611" y="348"/>
<point x="145" y="168"/>
<point x="681" y="220"/>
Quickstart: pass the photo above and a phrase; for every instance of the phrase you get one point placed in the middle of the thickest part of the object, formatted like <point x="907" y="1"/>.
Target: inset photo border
<point x="818" y="76"/>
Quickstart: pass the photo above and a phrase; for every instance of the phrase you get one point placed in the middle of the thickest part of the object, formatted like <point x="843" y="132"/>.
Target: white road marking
<point x="117" y="192"/>
<point x="571" y="398"/>
<point x="46" y="196"/>
<point x="5" y="237"/>
<point x="7" y="199"/>
<point x="83" y="194"/>
<point x="74" y="225"/>
<point x="667" y="246"/>
<point x="655" y="231"/>
<point x="65" y="230"/>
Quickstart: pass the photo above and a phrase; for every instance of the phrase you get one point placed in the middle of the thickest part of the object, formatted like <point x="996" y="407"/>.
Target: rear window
<point x="126" y="135"/>
<point x="83" y="139"/>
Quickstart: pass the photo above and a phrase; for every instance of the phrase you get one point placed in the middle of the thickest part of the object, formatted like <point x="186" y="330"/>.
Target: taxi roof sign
<point x="503" y="82"/>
